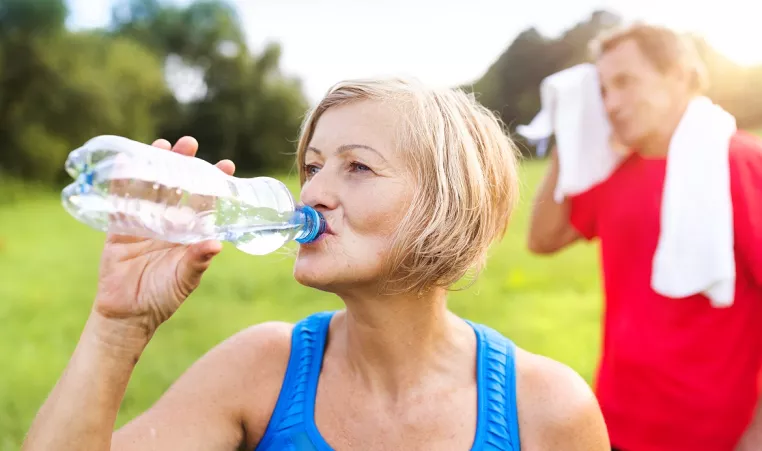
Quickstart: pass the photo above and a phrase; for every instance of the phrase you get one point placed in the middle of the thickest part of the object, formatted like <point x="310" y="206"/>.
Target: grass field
<point x="49" y="262"/>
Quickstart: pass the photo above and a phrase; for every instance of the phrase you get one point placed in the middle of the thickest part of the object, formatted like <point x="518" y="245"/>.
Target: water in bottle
<point x="130" y="188"/>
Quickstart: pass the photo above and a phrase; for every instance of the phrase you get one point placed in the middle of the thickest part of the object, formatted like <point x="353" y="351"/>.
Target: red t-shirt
<point x="675" y="374"/>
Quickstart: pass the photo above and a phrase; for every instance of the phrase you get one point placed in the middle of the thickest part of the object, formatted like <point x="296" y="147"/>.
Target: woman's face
<point x="363" y="187"/>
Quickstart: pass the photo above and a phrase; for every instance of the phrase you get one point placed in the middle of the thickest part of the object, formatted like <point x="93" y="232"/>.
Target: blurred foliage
<point x="511" y="85"/>
<point x="59" y="87"/>
<point x="162" y="70"/>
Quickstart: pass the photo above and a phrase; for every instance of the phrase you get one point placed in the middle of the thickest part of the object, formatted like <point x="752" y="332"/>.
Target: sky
<point x="444" y="42"/>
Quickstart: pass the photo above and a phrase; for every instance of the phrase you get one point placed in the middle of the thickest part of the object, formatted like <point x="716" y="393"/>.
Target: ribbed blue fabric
<point x="292" y="424"/>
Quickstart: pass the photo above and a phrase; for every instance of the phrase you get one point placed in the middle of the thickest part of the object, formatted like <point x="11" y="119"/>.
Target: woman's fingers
<point x="226" y="166"/>
<point x="186" y="145"/>
<point x="162" y="144"/>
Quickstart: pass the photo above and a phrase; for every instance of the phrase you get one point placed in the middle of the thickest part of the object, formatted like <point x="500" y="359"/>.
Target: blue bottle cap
<point x="315" y="224"/>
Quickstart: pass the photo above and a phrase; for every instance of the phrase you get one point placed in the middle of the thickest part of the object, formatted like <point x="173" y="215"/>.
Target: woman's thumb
<point x="195" y="262"/>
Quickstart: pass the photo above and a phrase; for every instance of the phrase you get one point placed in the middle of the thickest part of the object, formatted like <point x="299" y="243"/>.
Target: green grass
<point x="49" y="262"/>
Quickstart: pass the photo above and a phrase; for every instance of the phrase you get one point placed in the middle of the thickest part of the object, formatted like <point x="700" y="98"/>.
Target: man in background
<point x="675" y="374"/>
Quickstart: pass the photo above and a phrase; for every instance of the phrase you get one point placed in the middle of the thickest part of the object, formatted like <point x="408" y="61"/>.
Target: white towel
<point x="695" y="250"/>
<point x="572" y="108"/>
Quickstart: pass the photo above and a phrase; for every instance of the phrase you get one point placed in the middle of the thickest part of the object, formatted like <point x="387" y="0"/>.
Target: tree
<point x="249" y="111"/>
<point x="58" y="88"/>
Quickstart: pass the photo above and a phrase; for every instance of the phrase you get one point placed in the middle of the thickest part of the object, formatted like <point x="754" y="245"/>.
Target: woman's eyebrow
<point x="347" y="147"/>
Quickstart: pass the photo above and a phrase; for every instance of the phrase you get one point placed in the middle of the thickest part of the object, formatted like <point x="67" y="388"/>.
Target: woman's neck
<point x="392" y="342"/>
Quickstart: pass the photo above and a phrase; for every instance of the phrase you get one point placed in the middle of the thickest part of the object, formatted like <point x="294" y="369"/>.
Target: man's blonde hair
<point x="664" y="48"/>
<point x="465" y="169"/>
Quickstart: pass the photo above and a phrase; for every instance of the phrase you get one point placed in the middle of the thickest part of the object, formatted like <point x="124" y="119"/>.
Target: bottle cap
<point x="315" y="224"/>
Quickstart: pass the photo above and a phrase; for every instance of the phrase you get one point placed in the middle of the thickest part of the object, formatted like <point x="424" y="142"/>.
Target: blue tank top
<point x="292" y="424"/>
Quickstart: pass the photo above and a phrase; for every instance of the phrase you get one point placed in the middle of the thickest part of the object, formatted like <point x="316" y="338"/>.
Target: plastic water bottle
<point x="130" y="188"/>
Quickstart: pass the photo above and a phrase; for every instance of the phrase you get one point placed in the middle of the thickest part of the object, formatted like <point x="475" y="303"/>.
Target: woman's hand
<point x="142" y="282"/>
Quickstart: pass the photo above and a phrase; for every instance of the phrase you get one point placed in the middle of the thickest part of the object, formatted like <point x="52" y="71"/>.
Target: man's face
<point x="638" y="97"/>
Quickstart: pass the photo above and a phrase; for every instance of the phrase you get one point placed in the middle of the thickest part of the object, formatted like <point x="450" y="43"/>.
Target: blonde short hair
<point x="663" y="47"/>
<point x="465" y="169"/>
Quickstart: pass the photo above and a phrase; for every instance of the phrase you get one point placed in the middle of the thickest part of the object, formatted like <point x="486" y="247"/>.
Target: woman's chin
<point x="325" y="277"/>
<point x="308" y="272"/>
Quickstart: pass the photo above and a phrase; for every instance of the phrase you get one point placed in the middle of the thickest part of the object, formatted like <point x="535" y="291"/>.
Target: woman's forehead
<point x="360" y="125"/>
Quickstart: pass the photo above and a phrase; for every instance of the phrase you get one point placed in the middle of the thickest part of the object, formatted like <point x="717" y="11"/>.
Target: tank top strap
<point x="292" y="425"/>
<point x="294" y="410"/>
<point x="497" y="427"/>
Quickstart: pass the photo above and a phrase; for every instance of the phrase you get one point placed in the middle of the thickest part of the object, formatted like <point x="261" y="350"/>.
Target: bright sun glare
<point x="741" y="50"/>
<point x="731" y="27"/>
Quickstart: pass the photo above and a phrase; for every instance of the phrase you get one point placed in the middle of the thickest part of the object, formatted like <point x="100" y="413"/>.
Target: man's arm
<point x="550" y="229"/>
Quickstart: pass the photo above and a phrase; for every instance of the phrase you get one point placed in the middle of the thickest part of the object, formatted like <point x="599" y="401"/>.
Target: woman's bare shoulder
<point x="269" y="339"/>
<point x="232" y="390"/>
<point x="256" y="359"/>
<point x="556" y="406"/>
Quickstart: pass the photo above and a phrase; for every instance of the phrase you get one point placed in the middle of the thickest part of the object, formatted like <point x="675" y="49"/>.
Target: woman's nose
<point x="320" y="191"/>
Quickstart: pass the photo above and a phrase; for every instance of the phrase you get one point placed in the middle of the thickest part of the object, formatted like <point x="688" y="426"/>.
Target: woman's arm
<point x="80" y="411"/>
<point x="223" y="401"/>
<point x="141" y="283"/>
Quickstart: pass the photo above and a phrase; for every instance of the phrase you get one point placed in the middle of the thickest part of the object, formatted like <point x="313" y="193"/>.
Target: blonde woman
<point x="415" y="184"/>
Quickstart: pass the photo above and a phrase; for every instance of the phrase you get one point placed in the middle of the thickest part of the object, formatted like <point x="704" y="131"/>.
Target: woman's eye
<point x="311" y="169"/>
<point x="359" y="167"/>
